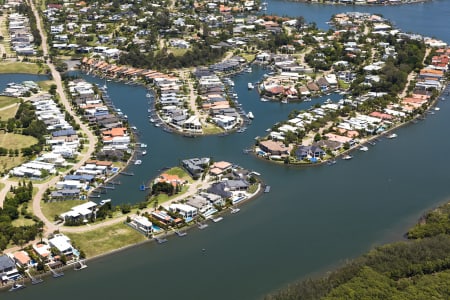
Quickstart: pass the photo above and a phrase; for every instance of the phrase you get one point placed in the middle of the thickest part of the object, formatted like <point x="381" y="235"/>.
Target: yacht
<point x="138" y="162"/>
<point x="347" y="157"/>
<point x="364" y="148"/>
<point x="250" y="86"/>
<point x="437" y="109"/>
<point x="392" y="136"/>
<point x="235" y="210"/>
<point x="144" y="152"/>
<point x="250" y="115"/>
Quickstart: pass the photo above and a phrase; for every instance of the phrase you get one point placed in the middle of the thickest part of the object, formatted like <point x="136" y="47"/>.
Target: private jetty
<point x="198" y="190"/>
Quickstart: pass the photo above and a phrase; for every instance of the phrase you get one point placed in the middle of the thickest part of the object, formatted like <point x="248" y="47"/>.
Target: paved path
<point x="49" y="226"/>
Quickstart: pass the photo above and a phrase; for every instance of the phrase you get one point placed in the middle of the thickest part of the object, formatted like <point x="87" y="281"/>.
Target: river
<point x="312" y="220"/>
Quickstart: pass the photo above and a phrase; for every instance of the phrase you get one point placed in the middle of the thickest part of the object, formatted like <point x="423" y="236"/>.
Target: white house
<point x="185" y="210"/>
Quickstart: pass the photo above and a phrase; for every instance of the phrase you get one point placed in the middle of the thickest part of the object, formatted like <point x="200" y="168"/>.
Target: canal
<point x="312" y="220"/>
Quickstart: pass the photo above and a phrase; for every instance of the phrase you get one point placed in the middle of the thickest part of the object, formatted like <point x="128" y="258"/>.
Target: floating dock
<point x="202" y="225"/>
<point x="80" y="266"/>
<point x="160" y="240"/>
<point x="180" y="233"/>
<point x="56" y="274"/>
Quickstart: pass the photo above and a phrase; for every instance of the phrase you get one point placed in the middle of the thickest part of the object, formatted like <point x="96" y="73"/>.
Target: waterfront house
<point x="22" y="259"/>
<point x="219" y="188"/>
<point x="195" y="166"/>
<point x="8" y="270"/>
<point x="43" y="250"/>
<point x="82" y="212"/>
<point x="274" y="147"/>
<point x="143" y="224"/>
<point x="186" y="211"/>
<point x="236" y="185"/>
<point x="62" y="243"/>
<point x="309" y="152"/>
<point x="220" y="167"/>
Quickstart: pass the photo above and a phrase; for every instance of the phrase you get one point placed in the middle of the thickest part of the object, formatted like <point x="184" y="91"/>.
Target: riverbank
<point x="403" y="270"/>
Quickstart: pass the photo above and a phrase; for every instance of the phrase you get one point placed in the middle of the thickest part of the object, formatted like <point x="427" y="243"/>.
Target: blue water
<point x="312" y="220"/>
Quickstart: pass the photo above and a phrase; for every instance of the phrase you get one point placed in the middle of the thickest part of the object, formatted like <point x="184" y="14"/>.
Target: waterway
<point x="312" y="220"/>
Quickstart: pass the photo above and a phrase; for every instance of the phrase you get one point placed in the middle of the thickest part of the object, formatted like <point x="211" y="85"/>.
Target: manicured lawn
<point x="248" y="56"/>
<point x="20" y="67"/>
<point x="51" y="209"/>
<point x="16" y="141"/>
<point x="106" y="239"/>
<point x="8" y="113"/>
<point x="343" y="85"/>
<point x="179" y="172"/>
<point x="5" y="101"/>
<point x="253" y="188"/>
<point x="7" y="162"/>
<point x="211" y="129"/>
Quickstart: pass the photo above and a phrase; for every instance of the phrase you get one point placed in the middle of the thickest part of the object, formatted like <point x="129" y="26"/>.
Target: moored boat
<point x="392" y="136"/>
<point x="347" y="157"/>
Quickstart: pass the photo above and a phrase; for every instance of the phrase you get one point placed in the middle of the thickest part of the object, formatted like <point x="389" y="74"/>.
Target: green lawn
<point x="8" y="113"/>
<point x="161" y="198"/>
<point x="212" y="129"/>
<point x="20" y="67"/>
<point x="106" y="239"/>
<point x="179" y="172"/>
<point x="45" y="84"/>
<point x="178" y="51"/>
<point x="16" y="141"/>
<point x="51" y="209"/>
<point x="5" y="101"/>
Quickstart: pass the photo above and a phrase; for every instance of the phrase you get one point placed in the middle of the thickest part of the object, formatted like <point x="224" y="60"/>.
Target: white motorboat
<point x="392" y="136"/>
<point x="235" y="210"/>
<point x="347" y="157"/>
<point x="250" y="115"/>
<point x="138" y="162"/>
<point x="364" y="148"/>
<point x="250" y="86"/>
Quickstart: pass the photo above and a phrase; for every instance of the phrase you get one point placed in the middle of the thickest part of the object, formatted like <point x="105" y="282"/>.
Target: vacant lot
<point x="8" y="113"/>
<point x="16" y="141"/>
<point x="52" y="209"/>
<point x="19" y="67"/>
<point x="6" y="101"/>
<point x="106" y="239"/>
